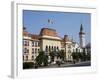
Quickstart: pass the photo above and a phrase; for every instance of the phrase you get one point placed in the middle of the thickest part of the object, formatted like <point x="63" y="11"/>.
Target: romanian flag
<point x="50" y="21"/>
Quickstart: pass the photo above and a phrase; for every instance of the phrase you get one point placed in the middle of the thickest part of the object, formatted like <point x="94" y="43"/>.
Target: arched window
<point x="38" y="50"/>
<point x="54" y="48"/>
<point x="57" y="48"/>
<point x="23" y="57"/>
<point x="46" y="49"/>
<point x="49" y="48"/>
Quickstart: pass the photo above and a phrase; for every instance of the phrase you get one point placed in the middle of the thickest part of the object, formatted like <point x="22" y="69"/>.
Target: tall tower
<point x="82" y="37"/>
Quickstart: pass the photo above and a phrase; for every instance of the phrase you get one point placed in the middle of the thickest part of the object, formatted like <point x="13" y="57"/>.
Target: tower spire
<point x="81" y="28"/>
<point x="82" y="37"/>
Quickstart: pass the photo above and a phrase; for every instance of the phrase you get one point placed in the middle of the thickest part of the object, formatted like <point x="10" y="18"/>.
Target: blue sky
<point x="64" y="22"/>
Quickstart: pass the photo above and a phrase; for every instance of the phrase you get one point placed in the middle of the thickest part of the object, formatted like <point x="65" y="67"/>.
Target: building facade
<point x="48" y="40"/>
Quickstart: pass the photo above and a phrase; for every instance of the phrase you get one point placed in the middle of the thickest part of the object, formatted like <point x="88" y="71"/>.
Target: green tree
<point x="42" y="59"/>
<point x="61" y="54"/>
<point x="75" y="56"/>
<point x="88" y="56"/>
<point x="84" y="55"/>
<point x="80" y="55"/>
<point x="52" y="55"/>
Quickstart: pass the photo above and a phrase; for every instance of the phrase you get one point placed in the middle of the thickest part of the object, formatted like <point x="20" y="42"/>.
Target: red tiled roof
<point x="34" y="36"/>
<point x="48" y="32"/>
<point x="25" y="33"/>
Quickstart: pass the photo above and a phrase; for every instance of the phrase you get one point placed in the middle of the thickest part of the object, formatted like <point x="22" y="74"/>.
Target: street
<point x="79" y="64"/>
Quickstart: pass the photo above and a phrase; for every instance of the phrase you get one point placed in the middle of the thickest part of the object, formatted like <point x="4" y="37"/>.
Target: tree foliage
<point x="42" y="59"/>
<point x="83" y="56"/>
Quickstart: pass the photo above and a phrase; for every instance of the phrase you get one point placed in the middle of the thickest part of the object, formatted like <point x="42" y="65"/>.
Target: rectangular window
<point x="38" y="44"/>
<point x="26" y="50"/>
<point x="26" y="43"/>
<point x="32" y="50"/>
<point x="32" y="57"/>
<point x="23" y="57"/>
<point x="35" y="44"/>
<point x="35" y="50"/>
<point x="32" y="43"/>
<point x="26" y="58"/>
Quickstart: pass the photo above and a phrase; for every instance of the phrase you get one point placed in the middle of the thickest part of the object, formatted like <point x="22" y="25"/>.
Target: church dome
<point x="48" y="32"/>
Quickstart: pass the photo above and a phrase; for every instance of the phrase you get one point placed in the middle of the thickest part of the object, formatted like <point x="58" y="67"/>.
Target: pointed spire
<point x="81" y="28"/>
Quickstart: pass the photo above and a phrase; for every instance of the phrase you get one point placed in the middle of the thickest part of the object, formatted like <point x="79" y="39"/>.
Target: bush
<point x="28" y="65"/>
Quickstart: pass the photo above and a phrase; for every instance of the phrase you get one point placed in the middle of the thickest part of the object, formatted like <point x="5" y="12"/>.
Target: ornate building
<point x="48" y="40"/>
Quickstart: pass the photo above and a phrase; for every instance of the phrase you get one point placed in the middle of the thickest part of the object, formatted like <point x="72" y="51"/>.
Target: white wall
<point x="50" y="43"/>
<point x="5" y="41"/>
